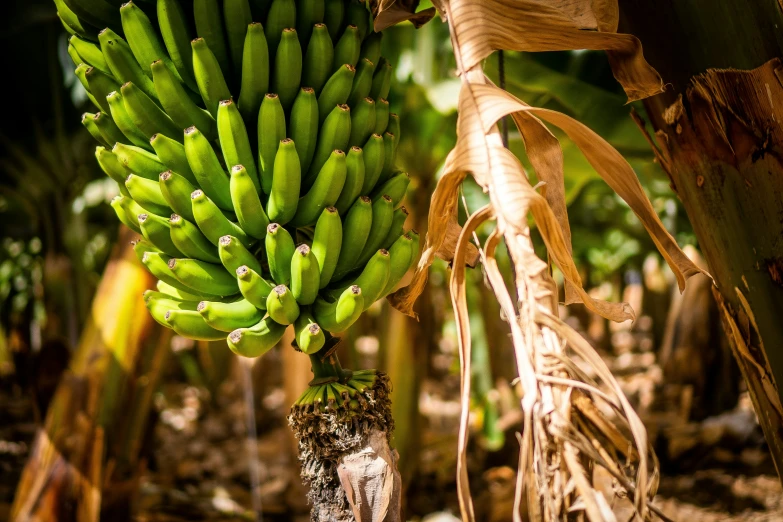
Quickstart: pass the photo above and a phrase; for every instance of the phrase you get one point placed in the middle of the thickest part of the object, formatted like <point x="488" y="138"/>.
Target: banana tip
<point x="303" y="249"/>
<point x="196" y="194"/>
<point x="314" y="328"/>
<point x="235" y="336"/>
<point x="280" y="289"/>
<point x="201" y="306"/>
<point x="242" y="271"/>
<point x="165" y="176"/>
<point x="225" y="240"/>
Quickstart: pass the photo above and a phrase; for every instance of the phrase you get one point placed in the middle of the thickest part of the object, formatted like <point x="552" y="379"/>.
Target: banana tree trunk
<point x="718" y="135"/>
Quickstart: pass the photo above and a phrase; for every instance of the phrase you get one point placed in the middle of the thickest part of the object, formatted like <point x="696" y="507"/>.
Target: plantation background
<point x="58" y="233"/>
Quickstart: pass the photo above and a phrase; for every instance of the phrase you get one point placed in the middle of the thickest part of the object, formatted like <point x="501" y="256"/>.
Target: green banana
<point x="77" y="60"/>
<point x="362" y="82"/>
<point x="98" y="13"/>
<point x="160" y="304"/>
<point x="100" y="85"/>
<point x="286" y="180"/>
<point x="397" y="228"/>
<point x="327" y="242"/>
<point x="381" y="116"/>
<point x="127" y="218"/>
<point x="190" y="241"/>
<point x="279" y="251"/>
<point x="158" y="265"/>
<point x="308" y="13"/>
<point x="253" y="287"/>
<point x="124" y="122"/>
<point x="382" y="218"/>
<point x="88" y="120"/>
<point x="165" y="288"/>
<point x="237" y="16"/>
<point x="374" y="156"/>
<point x="354" y="179"/>
<point x="371" y="47"/>
<point x="81" y="74"/>
<point x="175" y="29"/>
<point x="394" y="187"/>
<point x="209" y="28"/>
<point x="73" y="22"/>
<point x="139" y="161"/>
<point x="339" y="315"/>
<point x="334" y="135"/>
<point x="334" y="16"/>
<point x="347" y="48"/>
<point x="358" y="15"/>
<point x="318" y="59"/>
<point x="112" y="167"/>
<point x="394" y="128"/>
<point x="256" y="340"/>
<point x="156" y="230"/>
<point x="288" y="68"/>
<point x="212" y="222"/>
<point x="204" y="277"/>
<point x="108" y="129"/>
<point x="143" y="38"/>
<point x="374" y="277"/>
<point x="305" y="275"/>
<point x="207" y="168"/>
<point x="247" y="204"/>
<point x="234" y="141"/>
<point x="281" y="305"/>
<point x="356" y="230"/>
<point x="178" y="104"/>
<point x="362" y="121"/>
<point x="90" y="54"/>
<point x="324" y="192"/>
<point x="282" y="15"/>
<point x="233" y="255"/>
<point x="255" y="72"/>
<point x="122" y="63"/>
<point x="389" y="155"/>
<point x="147" y="194"/>
<point x="146" y="115"/>
<point x="309" y="336"/>
<point x="172" y="154"/>
<point x="381" y="81"/>
<point x="401" y="255"/>
<point x="335" y="91"/>
<point x="190" y="324"/>
<point x="209" y="76"/>
<point x="176" y="190"/>
<point x="271" y="130"/>
<point x="304" y="126"/>
<point x="141" y="246"/>
<point x="227" y="317"/>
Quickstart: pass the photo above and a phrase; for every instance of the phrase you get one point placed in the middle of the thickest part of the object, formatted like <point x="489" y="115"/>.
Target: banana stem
<point x="326" y="365"/>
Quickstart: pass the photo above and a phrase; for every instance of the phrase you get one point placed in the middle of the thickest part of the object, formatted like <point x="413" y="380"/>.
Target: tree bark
<point x="719" y="137"/>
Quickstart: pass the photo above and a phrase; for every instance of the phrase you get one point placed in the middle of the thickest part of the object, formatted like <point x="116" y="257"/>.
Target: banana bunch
<point x="254" y="151"/>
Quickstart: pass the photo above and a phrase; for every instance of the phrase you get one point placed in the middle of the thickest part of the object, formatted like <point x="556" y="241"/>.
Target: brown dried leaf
<point x="392" y="12"/>
<point x="449" y="246"/>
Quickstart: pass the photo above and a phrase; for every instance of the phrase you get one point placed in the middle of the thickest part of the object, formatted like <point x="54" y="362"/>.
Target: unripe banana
<point x="143" y="38"/>
<point x="381" y="116"/>
<point x="234" y="140"/>
<point x="171" y="153"/>
<point x="288" y="68"/>
<point x="371" y="47"/>
<point x="122" y="63"/>
<point x="282" y="15"/>
<point x="233" y="255"/>
<point x="209" y="76"/>
<point x="334" y="135"/>
<point x="318" y="59"/>
<point x="141" y="246"/>
<point x="373" y="153"/>
<point x="72" y="20"/>
<point x="125" y="216"/>
<point x="256" y="340"/>
<point x="190" y="324"/>
<point x="374" y="277"/>
<point x="209" y="28"/>
<point x="227" y="317"/>
<point x="382" y="218"/>
<point x="158" y="265"/>
<point x="304" y="126"/>
<point x="176" y="190"/>
<point x="279" y="251"/>
<point x="362" y="82"/>
<point x="362" y="121"/>
<point x="339" y="315"/>
<point x="389" y="155"/>
<point x="148" y="195"/>
<point x="247" y="204"/>
<point x="356" y="229"/>
<point x="348" y="48"/>
<point x="327" y="242"/>
<point x="77" y="60"/>
<point x="395" y="188"/>
<point x="271" y="130"/>
<point x="190" y="241"/>
<point x="139" y="161"/>
<point x="175" y="29"/>
<point x="309" y="336"/>
<point x="334" y="17"/>
<point x="253" y="287"/>
<point x="88" y="120"/>
<point x="124" y="122"/>
<point x="90" y="53"/>
<point x="237" y="16"/>
<point x="202" y="276"/>
<point x="281" y="305"/>
<point x="397" y="228"/>
<point x="335" y="91"/>
<point x="100" y="84"/>
<point x="156" y="230"/>
<point x="146" y="115"/>
<point x="325" y="191"/>
<point x="81" y="74"/>
<point x="354" y="179"/>
<point x="175" y="293"/>
<point x="308" y="13"/>
<point x="400" y="255"/>
<point x="305" y="275"/>
<point x="212" y="222"/>
<point x="255" y="72"/>
<point x="112" y="167"/>
<point x="381" y="81"/>
<point x="160" y="304"/>
<point x="108" y="129"/>
<point x="394" y="128"/>
<point x="177" y="102"/>
<point x="286" y="181"/>
<point x="207" y="168"/>
<point x="416" y="245"/>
